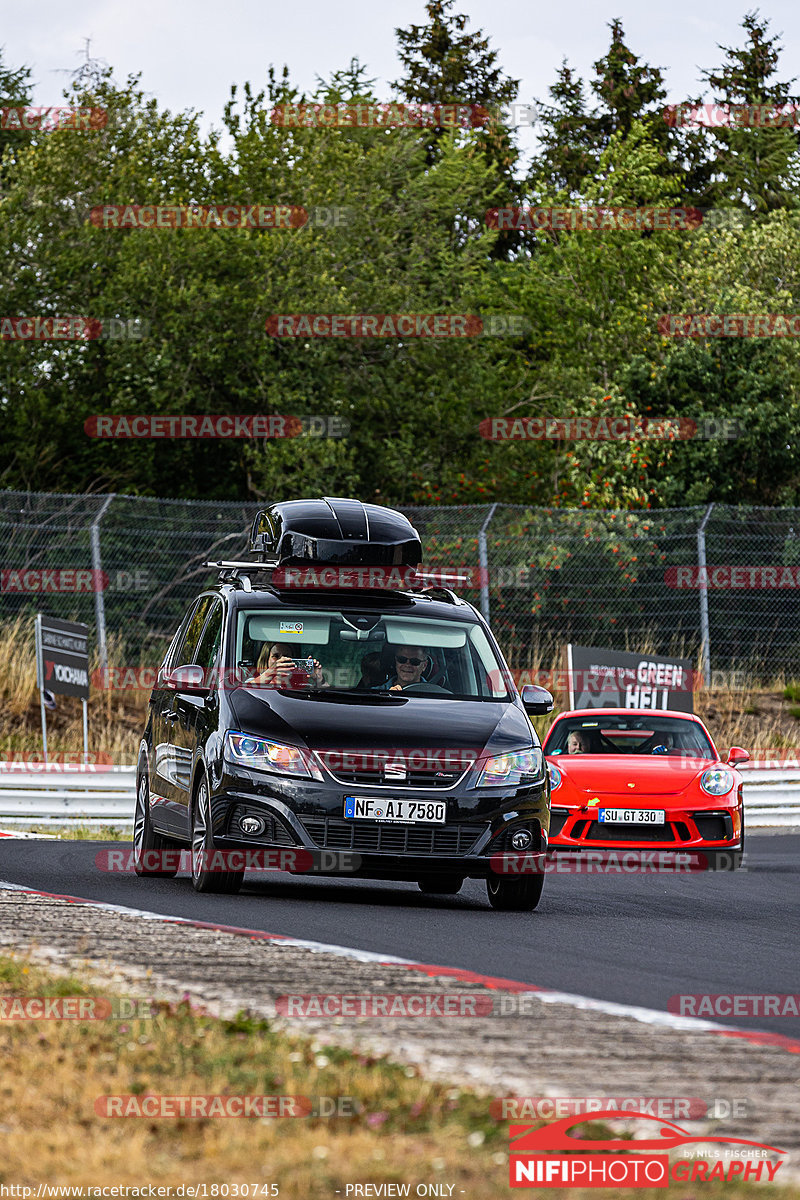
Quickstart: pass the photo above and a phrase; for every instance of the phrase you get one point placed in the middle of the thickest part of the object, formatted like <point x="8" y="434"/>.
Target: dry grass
<point x="116" y="719"/>
<point x="407" y="1130"/>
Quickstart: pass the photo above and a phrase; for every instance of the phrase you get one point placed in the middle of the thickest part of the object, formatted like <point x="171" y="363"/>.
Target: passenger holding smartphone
<point x="276" y="666"/>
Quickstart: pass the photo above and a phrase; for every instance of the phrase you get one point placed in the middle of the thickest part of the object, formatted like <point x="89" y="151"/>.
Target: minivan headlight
<point x="716" y="781"/>
<point x="264" y="754"/>
<point x="507" y="770"/>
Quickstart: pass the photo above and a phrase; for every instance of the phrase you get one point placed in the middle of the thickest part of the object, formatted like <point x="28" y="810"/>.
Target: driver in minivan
<point x="410" y="663"/>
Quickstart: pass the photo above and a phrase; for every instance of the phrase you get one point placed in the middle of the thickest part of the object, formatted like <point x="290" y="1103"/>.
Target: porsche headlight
<point x="716" y="781"/>
<point x="263" y="754"/>
<point x="509" y="770"/>
<point x="555" y="777"/>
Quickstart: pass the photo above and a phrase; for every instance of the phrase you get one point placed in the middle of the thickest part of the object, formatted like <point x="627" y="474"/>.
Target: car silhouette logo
<point x="554" y="1137"/>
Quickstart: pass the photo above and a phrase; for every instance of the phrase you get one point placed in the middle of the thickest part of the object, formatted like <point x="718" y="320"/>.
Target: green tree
<point x="752" y="167"/>
<point x="573" y="135"/>
<point x="16" y="91"/>
<point x="445" y="64"/>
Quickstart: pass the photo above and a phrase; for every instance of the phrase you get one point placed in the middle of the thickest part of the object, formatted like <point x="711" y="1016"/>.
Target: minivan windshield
<point x="368" y="652"/>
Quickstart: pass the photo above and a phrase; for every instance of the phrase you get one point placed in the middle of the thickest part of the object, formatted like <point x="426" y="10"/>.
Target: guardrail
<point x="66" y="794"/>
<point x="59" y="794"/>
<point x="771" y="796"/>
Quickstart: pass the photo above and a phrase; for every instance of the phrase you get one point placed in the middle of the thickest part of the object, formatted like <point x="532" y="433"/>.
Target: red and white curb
<point x="648" y="1016"/>
<point x="21" y="833"/>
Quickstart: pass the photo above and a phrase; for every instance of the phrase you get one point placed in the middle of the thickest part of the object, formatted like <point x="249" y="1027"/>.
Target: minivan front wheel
<point x="206" y="873"/>
<point x="515" y="895"/>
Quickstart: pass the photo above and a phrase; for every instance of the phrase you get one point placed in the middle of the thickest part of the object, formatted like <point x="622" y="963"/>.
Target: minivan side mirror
<point x="737" y="755"/>
<point x="537" y="700"/>
<point x="190" y="679"/>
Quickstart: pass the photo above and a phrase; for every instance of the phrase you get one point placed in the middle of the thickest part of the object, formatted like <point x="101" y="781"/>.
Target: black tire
<point x="205" y="879"/>
<point x="149" y="847"/>
<point x="515" y="895"/>
<point x="440" y="885"/>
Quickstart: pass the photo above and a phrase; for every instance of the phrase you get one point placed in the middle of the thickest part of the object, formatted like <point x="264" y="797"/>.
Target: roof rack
<point x="436" y="592"/>
<point x="240" y="572"/>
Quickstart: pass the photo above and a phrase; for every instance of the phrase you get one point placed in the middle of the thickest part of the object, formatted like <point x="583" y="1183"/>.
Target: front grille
<point x="558" y="819"/>
<point x="275" y="831"/>
<point x="376" y="777"/>
<point x="334" y="833"/>
<point x="714" y="827"/>
<point x="606" y="832"/>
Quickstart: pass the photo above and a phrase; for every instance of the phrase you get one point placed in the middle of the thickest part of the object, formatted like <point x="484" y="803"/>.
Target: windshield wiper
<point x="354" y="693"/>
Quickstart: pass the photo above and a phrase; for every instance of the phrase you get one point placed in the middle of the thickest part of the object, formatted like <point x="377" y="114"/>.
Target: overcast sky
<point x="190" y="51"/>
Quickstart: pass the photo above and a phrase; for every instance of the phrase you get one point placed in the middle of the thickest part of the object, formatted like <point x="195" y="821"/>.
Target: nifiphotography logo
<point x="549" y="1157"/>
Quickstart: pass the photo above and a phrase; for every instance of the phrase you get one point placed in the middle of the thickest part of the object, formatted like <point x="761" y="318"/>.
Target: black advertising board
<point x="62" y="656"/>
<point x="600" y="678"/>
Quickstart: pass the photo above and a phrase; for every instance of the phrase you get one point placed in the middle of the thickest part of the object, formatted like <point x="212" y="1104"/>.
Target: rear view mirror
<point x="537" y="700"/>
<point x="737" y="755"/>
<point x="190" y="679"/>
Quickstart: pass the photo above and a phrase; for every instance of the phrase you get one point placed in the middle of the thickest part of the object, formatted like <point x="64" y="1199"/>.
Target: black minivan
<point x="314" y="716"/>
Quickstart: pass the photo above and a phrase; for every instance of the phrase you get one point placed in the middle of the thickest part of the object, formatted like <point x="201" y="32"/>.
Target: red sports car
<point x="630" y="778"/>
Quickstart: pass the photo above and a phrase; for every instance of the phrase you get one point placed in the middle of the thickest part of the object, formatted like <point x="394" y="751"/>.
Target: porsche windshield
<point x="606" y="734"/>
<point x="368" y="652"/>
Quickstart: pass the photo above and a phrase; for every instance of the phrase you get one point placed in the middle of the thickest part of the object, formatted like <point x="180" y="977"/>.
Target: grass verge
<point x="406" y="1130"/>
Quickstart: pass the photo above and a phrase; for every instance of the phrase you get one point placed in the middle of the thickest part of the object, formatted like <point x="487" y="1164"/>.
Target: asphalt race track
<point x="631" y="939"/>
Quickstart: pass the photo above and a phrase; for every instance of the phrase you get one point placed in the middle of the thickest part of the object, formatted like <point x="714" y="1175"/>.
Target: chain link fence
<point x="717" y="584"/>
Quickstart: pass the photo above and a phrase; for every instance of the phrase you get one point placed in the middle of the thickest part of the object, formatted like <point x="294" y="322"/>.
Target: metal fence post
<point x="97" y="576"/>
<point x="705" y="640"/>
<point x="483" y="563"/>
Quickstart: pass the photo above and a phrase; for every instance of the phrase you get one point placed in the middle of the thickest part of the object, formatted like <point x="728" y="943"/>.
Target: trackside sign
<point x="62" y="656"/>
<point x="600" y="678"/>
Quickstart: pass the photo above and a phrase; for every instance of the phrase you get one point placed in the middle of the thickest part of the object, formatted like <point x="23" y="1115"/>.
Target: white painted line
<point x="649" y="1015"/>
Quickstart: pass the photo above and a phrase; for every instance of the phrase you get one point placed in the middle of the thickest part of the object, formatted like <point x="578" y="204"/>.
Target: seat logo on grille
<point x="395" y="771"/>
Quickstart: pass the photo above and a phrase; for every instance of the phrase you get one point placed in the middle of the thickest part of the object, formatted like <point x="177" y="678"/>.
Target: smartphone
<point x="304" y="664"/>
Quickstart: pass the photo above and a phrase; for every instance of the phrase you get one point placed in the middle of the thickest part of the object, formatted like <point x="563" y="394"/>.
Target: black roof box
<point x="334" y="530"/>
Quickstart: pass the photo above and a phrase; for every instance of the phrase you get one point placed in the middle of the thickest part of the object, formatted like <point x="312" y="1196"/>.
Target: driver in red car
<point x="577" y="742"/>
